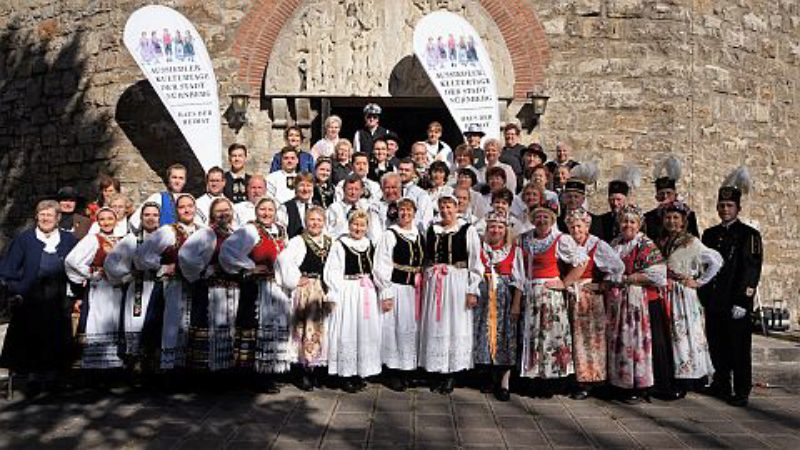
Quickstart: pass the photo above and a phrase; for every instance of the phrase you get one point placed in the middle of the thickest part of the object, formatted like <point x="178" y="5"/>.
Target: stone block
<point x="588" y="7"/>
<point x="625" y="8"/>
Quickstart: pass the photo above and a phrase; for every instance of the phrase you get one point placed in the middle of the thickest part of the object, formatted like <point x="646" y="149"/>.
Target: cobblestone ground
<point x="379" y="418"/>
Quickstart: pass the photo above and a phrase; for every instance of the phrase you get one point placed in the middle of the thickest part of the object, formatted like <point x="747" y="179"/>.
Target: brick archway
<point x="518" y="24"/>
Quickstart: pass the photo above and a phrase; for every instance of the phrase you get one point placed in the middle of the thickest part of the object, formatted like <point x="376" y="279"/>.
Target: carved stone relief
<point x="361" y="47"/>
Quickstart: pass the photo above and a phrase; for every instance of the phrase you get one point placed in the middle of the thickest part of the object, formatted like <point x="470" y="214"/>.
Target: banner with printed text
<point x="453" y="55"/>
<point x="171" y="53"/>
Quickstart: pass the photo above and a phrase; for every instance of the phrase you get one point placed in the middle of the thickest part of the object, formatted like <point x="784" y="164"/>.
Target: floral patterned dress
<point x="546" y="332"/>
<point x="588" y="312"/>
<point x="304" y="257"/>
<point x="630" y="360"/>
<point x="688" y="258"/>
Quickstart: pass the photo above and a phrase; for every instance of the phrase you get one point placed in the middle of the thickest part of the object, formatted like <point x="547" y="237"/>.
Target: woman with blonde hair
<point x="327" y="145"/>
<point x="355" y="324"/>
<point x="300" y="266"/>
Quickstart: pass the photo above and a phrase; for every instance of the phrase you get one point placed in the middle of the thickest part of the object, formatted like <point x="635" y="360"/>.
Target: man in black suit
<point x="608" y="224"/>
<point x="292" y="214"/>
<point x="666" y="193"/>
<point x="574" y="197"/>
<point x="728" y="298"/>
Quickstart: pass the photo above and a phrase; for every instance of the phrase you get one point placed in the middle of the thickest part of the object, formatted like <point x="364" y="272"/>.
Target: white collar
<point x="357" y="245"/>
<point x="411" y="234"/>
<point x="50" y="241"/>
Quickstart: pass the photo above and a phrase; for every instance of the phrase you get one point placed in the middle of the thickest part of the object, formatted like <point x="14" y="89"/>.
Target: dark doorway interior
<point x="407" y="117"/>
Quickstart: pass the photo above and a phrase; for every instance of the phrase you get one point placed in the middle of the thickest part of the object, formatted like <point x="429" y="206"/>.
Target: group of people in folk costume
<point x="345" y="281"/>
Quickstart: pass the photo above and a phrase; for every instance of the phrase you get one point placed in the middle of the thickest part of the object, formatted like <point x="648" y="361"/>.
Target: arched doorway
<point x="312" y="58"/>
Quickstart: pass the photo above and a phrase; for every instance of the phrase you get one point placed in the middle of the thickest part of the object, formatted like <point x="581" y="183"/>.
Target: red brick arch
<point x="518" y="24"/>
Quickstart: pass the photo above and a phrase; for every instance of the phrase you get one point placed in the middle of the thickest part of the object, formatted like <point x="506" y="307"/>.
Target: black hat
<point x="618" y="187"/>
<point x="68" y="193"/>
<point x="573" y="185"/>
<point x="537" y="150"/>
<point x="665" y="183"/>
<point x="730" y="194"/>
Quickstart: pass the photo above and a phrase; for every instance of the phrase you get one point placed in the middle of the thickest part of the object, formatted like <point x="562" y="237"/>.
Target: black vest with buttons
<point x="358" y="263"/>
<point x="447" y="248"/>
<point x="406" y="253"/>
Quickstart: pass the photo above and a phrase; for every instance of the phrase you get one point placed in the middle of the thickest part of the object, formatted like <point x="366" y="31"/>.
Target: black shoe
<point x="718" y="391"/>
<point x="396" y="383"/>
<point x="579" y="394"/>
<point x="305" y="383"/>
<point x="669" y="394"/>
<point x="359" y="383"/>
<point x="488" y="388"/>
<point x="447" y="386"/>
<point x="502" y="394"/>
<point x="739" y="401"/>
<point x="349" y="387"/>
<point x="269" y="387"/>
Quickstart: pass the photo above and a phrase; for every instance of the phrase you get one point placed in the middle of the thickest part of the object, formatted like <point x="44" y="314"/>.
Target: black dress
<point x="39" y="336"/>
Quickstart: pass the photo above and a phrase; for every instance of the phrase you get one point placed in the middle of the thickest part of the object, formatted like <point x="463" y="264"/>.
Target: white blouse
<point x="119" y="262"/>
<point x="195" y="254"/>
<point x="696" y="261"/>
<point x="383" y="264"/>
<point x="291" y="258"/>
<point x="606" y="260"/>
<point x="79" y="260"/>
<point x="474" y="263"/>
<point x="148" y="255"/>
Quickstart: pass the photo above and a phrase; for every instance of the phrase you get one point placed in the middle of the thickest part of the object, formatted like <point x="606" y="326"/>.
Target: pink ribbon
<point x="366" y="288"/>
<point x="418" y="294"/>
<point x="439" y="271"/>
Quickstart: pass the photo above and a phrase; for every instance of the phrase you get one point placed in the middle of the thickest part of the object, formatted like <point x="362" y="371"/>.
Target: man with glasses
<point x="372" y="130"/>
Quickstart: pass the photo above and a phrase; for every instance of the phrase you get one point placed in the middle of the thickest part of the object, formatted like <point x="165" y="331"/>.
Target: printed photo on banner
<point x="450" y="52"/>
<point x="155" y="48"/>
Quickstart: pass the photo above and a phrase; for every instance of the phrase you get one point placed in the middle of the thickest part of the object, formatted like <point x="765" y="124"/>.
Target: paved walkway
<point x="379" y="418"/>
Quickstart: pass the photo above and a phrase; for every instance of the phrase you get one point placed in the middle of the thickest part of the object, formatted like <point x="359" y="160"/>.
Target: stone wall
<point x="714" y="82"/>
<point x="629" y="80"/>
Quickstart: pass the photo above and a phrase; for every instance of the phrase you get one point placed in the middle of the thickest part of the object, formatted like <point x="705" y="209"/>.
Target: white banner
<point x="171" y="53"/>
<point x="453" y="55"/>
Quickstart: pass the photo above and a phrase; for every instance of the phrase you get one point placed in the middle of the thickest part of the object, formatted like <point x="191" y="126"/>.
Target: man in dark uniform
<point x="573" y="198"/>
<point x="728" y="298"/>
<point x="666" y="193"/>
<point x="364" y="138"/>
<point x="608" y="224"/>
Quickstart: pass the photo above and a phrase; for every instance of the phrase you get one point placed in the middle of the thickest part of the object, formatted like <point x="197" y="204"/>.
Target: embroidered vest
<point x="545" y="264"/>
<point x="358" y="263"/>
<point x="407" y="257"/>
<point x="314" y="261"/>
<point x="447" y="248"/>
